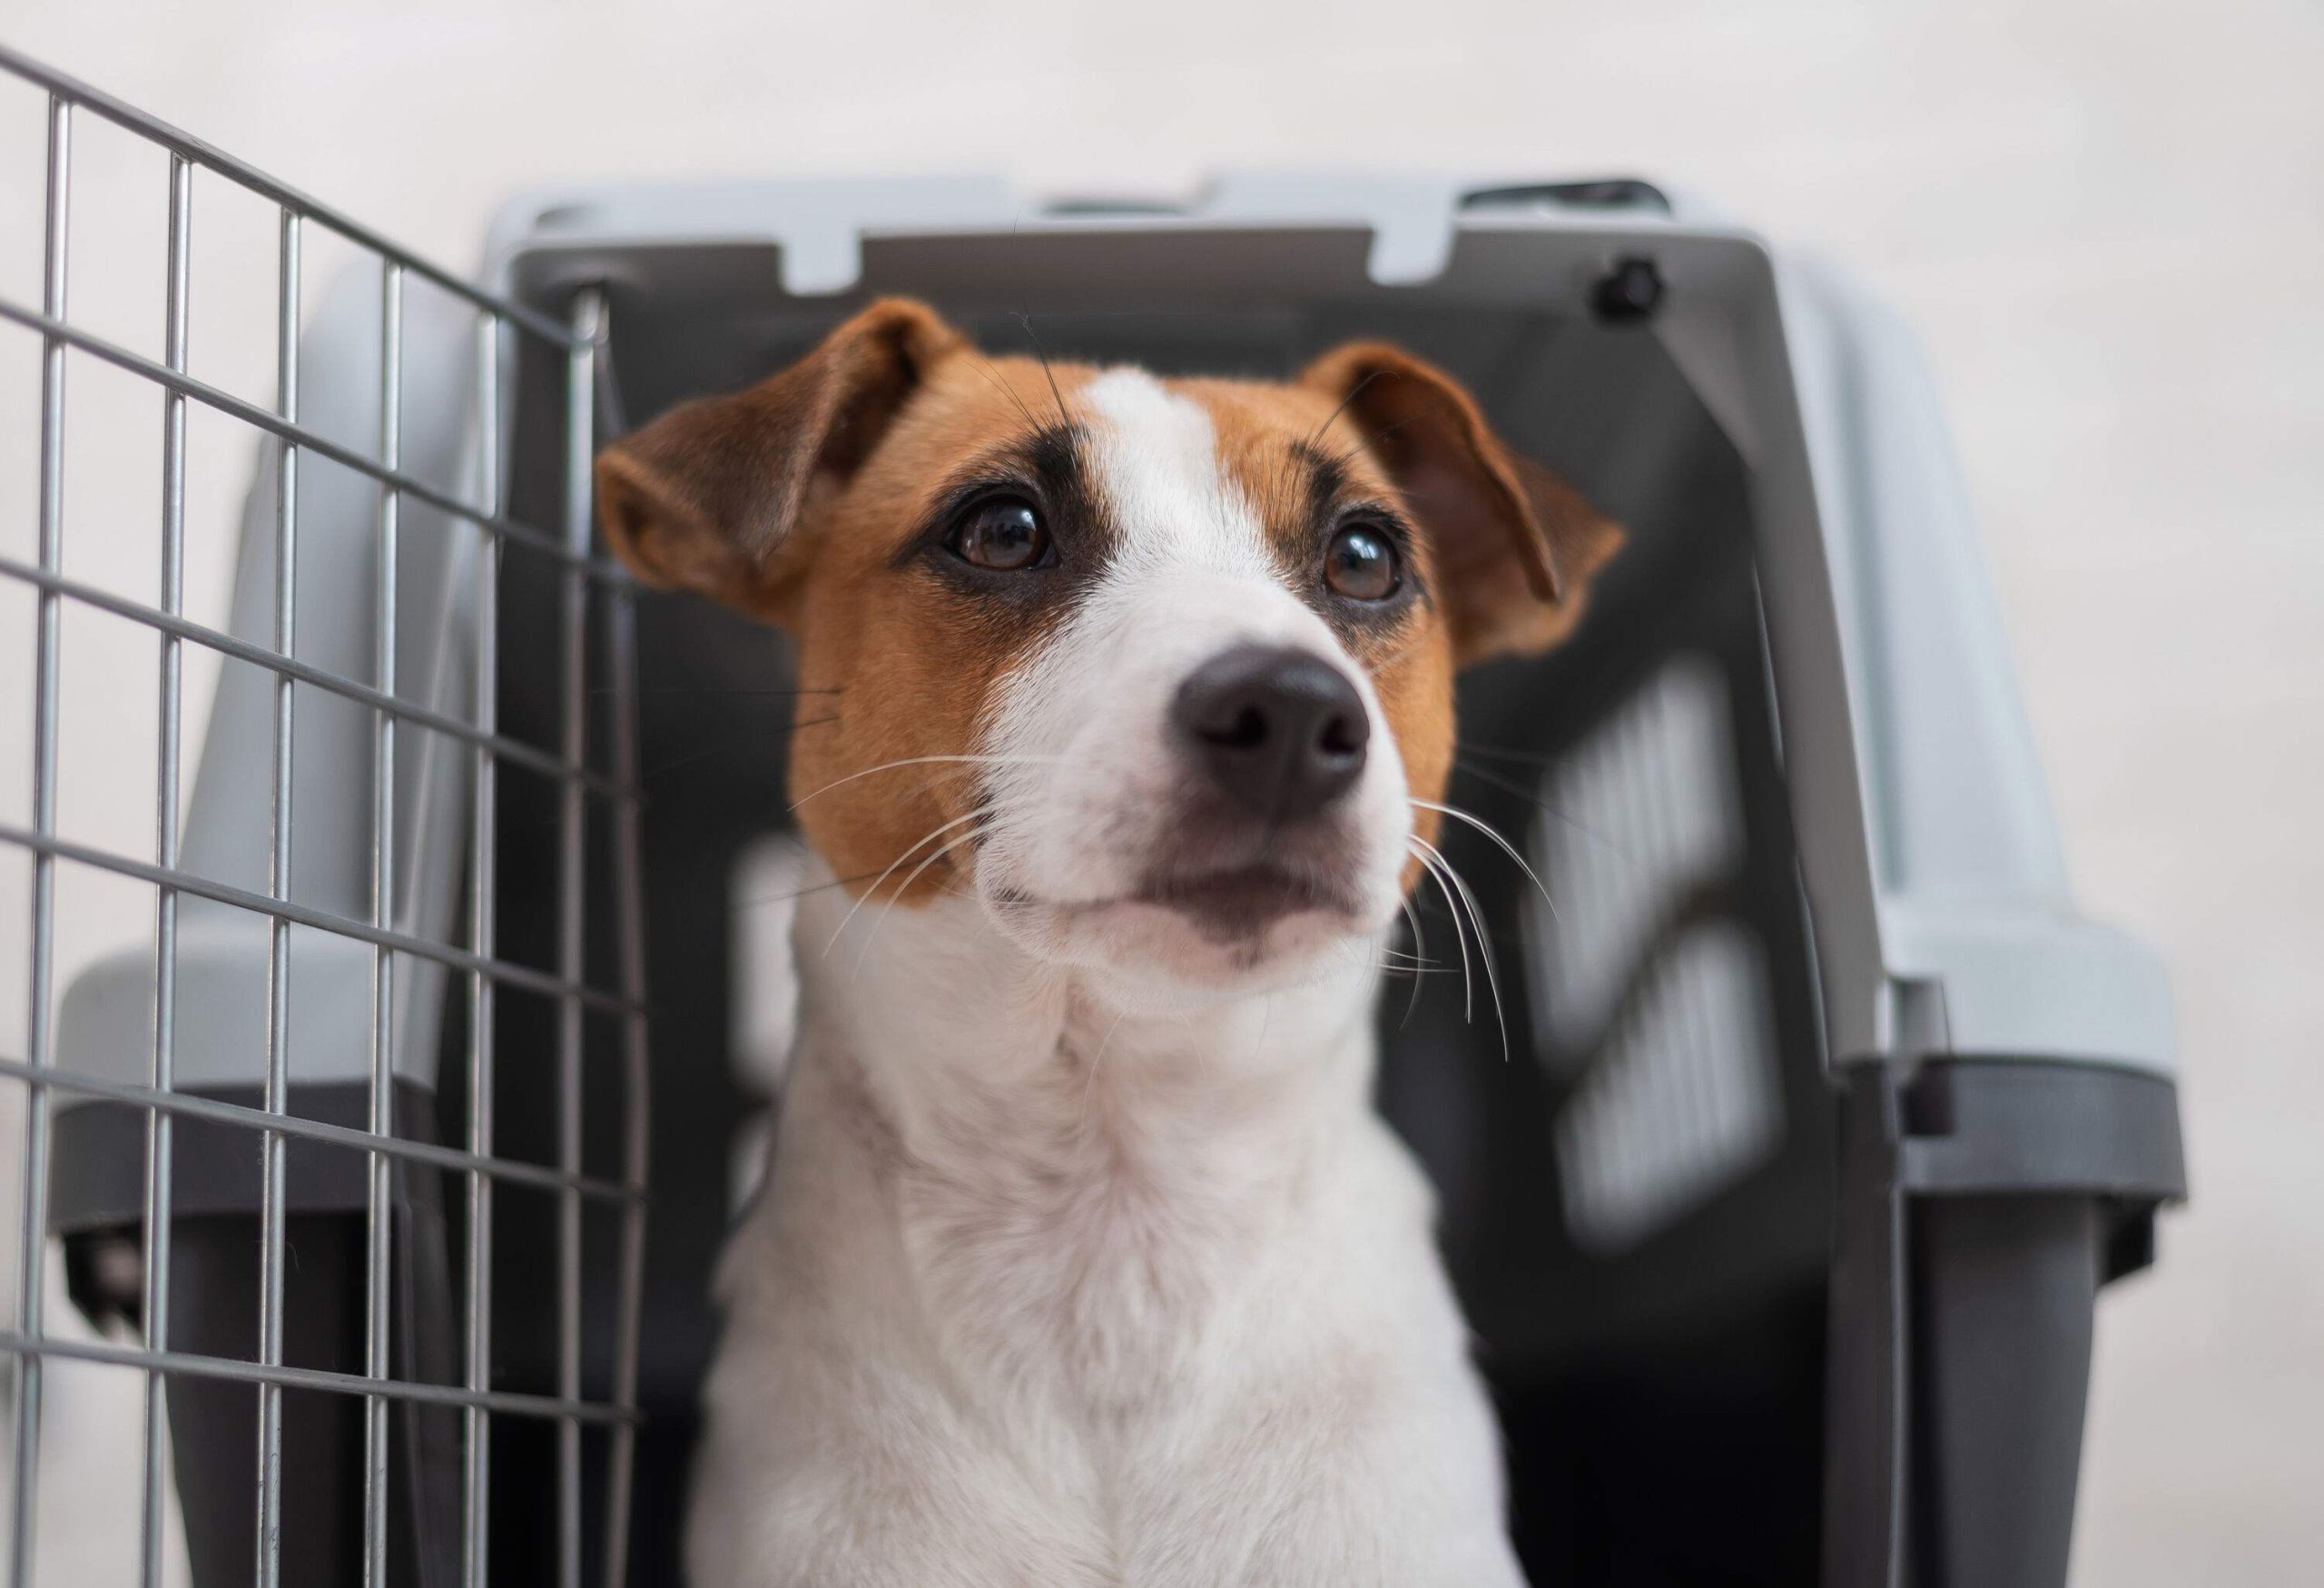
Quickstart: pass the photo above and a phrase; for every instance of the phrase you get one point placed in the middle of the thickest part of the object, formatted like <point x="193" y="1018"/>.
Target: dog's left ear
<point x="709" y="497"/>
<point x="1515" y="546"/>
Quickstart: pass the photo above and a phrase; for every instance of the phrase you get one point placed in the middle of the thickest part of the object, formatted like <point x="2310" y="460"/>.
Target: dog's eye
<point x="1361" y="563"/>
<point x="1001" y="534"/>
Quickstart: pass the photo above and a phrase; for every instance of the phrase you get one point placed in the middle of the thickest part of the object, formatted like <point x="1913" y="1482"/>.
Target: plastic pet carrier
<point x="1824" y="1116"/>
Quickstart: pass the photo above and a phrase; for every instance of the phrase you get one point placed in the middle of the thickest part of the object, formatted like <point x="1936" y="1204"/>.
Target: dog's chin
<point x="1233" y="932"/>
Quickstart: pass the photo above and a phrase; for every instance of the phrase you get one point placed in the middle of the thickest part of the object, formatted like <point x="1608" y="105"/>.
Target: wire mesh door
<point x="259" y="1150"/>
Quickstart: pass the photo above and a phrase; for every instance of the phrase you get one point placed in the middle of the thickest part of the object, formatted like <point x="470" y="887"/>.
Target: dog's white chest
<point x="1031" y="1348"/>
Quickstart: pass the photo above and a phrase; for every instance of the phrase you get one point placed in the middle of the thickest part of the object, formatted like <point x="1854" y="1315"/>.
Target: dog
<point x="1083" y="1258"/>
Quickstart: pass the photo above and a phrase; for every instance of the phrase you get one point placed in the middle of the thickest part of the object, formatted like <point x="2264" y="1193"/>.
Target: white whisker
<point x="1484" y="942"/>
<point x="909" y="851"/>
<point x="1419" y="951"/>
<point x="942" y="850"/>
<point x="1507" y="848"/>
<point x="1460" y="931"/>
<point x="929" y="761"/>
<point x="1385" y="959"/>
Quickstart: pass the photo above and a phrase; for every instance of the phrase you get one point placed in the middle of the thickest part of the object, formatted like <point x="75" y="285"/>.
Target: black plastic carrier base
<point x="1982" y="1206"/>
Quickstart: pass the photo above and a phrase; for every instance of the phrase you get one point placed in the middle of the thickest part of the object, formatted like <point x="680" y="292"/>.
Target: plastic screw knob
<point x="1629" y="294"/>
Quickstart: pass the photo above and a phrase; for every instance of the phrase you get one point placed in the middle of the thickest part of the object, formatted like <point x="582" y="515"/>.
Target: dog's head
<point x="1158" y="671"/>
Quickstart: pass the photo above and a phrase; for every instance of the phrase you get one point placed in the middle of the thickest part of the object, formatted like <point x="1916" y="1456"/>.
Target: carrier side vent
<point x="1650" y="1001"/>
<point x="1683" y="1096"/>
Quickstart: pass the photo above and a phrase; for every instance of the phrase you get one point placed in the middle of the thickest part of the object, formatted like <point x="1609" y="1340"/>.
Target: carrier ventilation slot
<point x="1655" y="1012"/>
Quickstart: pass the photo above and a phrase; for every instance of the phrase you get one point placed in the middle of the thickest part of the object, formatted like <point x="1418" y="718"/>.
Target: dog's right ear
<point x="706" y="497"/>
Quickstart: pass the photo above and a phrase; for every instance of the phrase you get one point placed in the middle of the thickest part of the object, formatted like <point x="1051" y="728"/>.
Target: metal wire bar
<point x="290" y="431"/>
<point x="277" y="1377"/>
<point x="277" y="949"/>
<point x="629" y="906"/>
<point x="379" y="1224"/>
<point x="580" y="439"/>
<point x="176" y="626"/>
<point x="285" y="911"/>
<point x="483" y="809"/>
<point x="26" y="1344"/>
<point x="32" y="1272"/>
<point x="159" y="1155"/>
<point x="193" y="1106"/>
<point x="289" y="199"/>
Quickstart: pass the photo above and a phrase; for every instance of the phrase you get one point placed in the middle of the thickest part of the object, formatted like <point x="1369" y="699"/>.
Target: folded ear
<point x="1514" y="546"/>
<point x="707" y="496"/>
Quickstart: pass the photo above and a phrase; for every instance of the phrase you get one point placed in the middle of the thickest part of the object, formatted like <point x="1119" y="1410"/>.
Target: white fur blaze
<point x="1091" y="780"/>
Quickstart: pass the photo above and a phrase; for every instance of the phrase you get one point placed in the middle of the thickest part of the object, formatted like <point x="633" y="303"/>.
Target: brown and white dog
<point x="1084" y="1259"/>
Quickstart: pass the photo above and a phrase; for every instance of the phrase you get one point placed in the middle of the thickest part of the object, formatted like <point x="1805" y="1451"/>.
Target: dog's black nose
<point x="1281" y="732"/>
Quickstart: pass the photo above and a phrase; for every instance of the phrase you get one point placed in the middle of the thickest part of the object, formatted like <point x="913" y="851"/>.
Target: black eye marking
<point x="1366" y="574"/>
<point x="1361" y="562"/>
<point x="1019" y="524"/>
<point x="1001" y="533"/>
<point x="1327" y="476"/>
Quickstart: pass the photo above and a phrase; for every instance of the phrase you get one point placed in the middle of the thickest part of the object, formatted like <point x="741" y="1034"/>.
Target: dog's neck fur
<point x="1115" y="1176"/>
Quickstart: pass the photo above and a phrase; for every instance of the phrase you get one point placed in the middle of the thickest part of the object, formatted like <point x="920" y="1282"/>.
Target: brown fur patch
<point x="916" y="661"/>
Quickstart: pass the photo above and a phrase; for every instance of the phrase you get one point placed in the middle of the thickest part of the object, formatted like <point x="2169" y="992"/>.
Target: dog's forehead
<point x="1154" y="459"/>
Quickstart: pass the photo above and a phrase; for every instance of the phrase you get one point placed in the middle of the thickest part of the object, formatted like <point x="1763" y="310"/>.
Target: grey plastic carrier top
<point x="1829" y="1113"/>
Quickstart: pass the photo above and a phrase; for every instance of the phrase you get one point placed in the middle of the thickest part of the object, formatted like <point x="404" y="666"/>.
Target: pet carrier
<point x="1825" y="1115"/>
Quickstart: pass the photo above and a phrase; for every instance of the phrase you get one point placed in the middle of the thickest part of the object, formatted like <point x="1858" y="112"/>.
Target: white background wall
<point x="2107" y="219"/>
